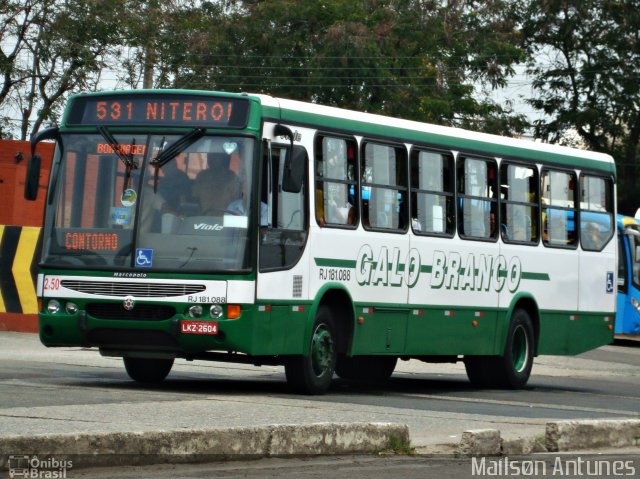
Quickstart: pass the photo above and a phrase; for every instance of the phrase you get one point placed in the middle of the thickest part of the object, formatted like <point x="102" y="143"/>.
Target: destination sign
<point x="166" y="110"/>
<point x="91" y="240"/>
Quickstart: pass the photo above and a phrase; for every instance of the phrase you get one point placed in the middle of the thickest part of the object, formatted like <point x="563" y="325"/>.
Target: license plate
<point x="199" y="327"/>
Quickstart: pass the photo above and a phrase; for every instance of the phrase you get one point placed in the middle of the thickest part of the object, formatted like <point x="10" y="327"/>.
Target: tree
<point x="415" y="59"/>
<point x="428" y="60"/>
<point x="61" y="47"/>
<point x="586" y="78"/>
<point x="153" y="47"/>
<point x="16" y="20"/>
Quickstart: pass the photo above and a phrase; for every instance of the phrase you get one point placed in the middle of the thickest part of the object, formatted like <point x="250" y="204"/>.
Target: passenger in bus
<point x="238" y="207"/>
<point x="336" y="215"/>
<point x="591" y="237"/>
<point x="174" y="187"/>
<point x="218" y="161"/>
<point x="215" y="190"/>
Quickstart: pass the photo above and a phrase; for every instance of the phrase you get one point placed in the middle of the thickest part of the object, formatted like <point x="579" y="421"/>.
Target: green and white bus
<point x="247" y="228"/>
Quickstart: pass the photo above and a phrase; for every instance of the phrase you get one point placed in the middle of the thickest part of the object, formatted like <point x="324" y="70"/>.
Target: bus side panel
<point x="568" y="328"/>
<point x="451" y="330"/>
<point x="454" y="274"/>
<point x="551" y="277"/>
<point x="554" y="333"/>
<point x="371" y="266"/>
<point x="597" y="279"/>
<point x="570" y="333"/>
<point x="381" y="332"/>
<point x="279" y="331"/>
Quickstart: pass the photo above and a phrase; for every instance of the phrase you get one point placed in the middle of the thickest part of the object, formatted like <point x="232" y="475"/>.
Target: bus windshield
<point x="115" y="207"/>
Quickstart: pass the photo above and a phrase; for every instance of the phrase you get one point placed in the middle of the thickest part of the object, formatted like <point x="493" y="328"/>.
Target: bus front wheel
<point x="513" y="368"/>
<point x="312" y="374"/>
<point x="148" y="370"/>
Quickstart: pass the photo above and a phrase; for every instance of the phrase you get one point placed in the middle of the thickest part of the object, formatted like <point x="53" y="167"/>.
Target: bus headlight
<point x="195" y="311"/>
<point x="71" y="308"/>
<point x="216" y="311"/>
<point x="53" y="306"/>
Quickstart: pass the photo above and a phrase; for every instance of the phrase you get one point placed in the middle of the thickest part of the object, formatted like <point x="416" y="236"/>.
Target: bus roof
<point x="432" y="135"/>
<point x="395" y="129"/>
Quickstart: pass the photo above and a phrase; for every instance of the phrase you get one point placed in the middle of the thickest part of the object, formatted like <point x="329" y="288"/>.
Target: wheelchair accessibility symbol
<point x="144" y="257"/>
<point x="609" y="282"/>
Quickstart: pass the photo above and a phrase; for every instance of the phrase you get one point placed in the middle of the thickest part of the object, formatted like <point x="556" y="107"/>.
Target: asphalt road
<point x="72" y="390"/>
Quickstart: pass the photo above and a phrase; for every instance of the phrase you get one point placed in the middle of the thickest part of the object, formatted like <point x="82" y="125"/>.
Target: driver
<point x="215" y="190"/>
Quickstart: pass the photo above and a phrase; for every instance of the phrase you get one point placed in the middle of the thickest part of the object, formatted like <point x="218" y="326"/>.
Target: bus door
<point x="282" y="276"/>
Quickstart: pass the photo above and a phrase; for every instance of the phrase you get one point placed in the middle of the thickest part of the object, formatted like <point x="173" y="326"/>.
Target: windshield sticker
<point x="229" y="147"/>
<point x="129" y="197"/>
<point x="144" y="257"/>
<point x="120" y="216"/>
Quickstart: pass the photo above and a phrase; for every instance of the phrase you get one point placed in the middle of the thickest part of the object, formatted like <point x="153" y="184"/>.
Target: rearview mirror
<point x="32" y="180"/>
<point x="293" y="174"/>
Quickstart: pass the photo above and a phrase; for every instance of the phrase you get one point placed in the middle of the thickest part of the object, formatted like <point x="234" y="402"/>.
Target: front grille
<point x="142" y="312"/>
<point x="140" y="290"/>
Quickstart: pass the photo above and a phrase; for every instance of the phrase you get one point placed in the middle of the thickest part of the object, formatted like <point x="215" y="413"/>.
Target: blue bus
<point x="628" y="308"/>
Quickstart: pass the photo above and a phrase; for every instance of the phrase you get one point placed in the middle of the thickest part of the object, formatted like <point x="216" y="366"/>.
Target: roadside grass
<point x="398" y="446"/>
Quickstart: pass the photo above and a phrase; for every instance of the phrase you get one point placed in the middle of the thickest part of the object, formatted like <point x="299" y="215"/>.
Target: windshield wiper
<point x="126" y="158"/>
<point x="177" y="147"/>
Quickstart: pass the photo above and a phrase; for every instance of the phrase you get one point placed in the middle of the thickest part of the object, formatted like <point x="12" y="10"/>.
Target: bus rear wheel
<point x="513" y="368"/>
<point x="312" y="374"/>
<point x="148" y="370"/>
<point x="366" y="368"/>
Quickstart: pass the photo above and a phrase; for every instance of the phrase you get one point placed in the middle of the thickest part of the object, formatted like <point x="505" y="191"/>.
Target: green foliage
<point x="399" y="446"/>
<point x="414" y="59"/>
<point x="585" y="64"/>
<point x="56" y="47"/>
<point x="429" y="60"/>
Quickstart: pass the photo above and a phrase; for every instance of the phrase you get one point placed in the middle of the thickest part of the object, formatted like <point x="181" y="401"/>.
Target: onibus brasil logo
<point x="450" y="270"/>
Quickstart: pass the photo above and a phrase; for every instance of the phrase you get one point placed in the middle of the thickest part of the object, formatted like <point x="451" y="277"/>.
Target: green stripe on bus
<point x="336" y="263"/>
<point x="535" y="276"/>
<point x="425" y="268"/>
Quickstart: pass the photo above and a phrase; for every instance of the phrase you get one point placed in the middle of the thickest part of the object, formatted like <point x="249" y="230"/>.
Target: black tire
<point x="366" y="368"/>
<point x="513" y="368"/>
<point x="312" y="374"/>
<point x="147" y="370"/>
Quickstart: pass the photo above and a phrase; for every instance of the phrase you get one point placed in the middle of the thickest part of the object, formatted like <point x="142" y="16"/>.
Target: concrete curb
<point x="571" y="435"/>
<point x="112" y="449"/>
<point x="560" y="436"/>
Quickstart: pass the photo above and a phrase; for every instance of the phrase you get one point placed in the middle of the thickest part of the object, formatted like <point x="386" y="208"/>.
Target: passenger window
<point x="519" y="199"/>
<point x="558" y="208"/>
<point x="384" y="187"/>
<point x="335" y="178"/>
<point x="596" y="212"/>
<point x="432" y="191"/>
<point x="478" y="198"/>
